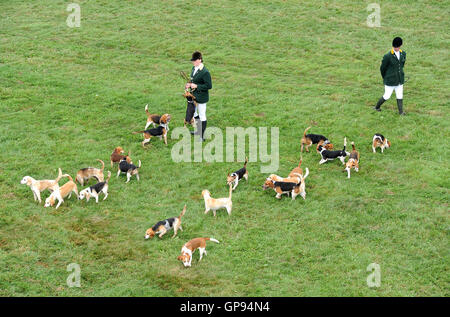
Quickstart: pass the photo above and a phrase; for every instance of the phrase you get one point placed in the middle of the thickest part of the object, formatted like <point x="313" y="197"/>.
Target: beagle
<point x="65" y="190"/>
<point x="160" y="131"/>
<point x="190" y="109"/>
<point x="189" y="248"/>
<point x="126" y="166"/>
<point x="95" y="190"/>
<point x="235" y="177"/>
<point x="84" y="174"/>
<point x="116" y="155"/>
<point x="151" y="118"/>
<point x="380" y="141"/>
<point x="162" y="227"/>
<point x="309" y="139"/>
<point x="331" y="155"/>
<point x="214" y="204"/>
<point x="37" y="186"/>
<point x="293" y="185"/>
<point x="353" y="161"/>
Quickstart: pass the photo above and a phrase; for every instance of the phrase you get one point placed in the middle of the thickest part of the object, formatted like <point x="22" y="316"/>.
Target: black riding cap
<point x="397" y="42"/>
<point x="196" y="55"/>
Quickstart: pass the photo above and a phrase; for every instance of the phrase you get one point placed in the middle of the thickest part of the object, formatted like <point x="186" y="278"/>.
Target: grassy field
<point x="70" y="95"/>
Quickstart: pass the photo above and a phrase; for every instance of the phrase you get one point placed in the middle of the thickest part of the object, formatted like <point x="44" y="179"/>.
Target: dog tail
<point x="138" y="132"/>
<point x="345" y="143"/>
<point x="109" y="176"/>
<point x="246" y="161"/>
<point x="59" y="175"/>
<point x="231" y="190"/>
<point x="146" y="110"/>
<point x="182" y="213"/>
<point x="103" y="164"/>
<point x="304" y="133"/>
<point x="306" y="174"/>
<point x="70" y="177"/>
<point x="212" y="239"/>
<point x="353" y="146"/>
<point x="139" y="164"/>
<point x="301" y="159"/>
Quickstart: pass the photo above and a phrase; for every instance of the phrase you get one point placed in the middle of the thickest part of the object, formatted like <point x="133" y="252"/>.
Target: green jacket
<point x="203" y="81"/>
<point x="392" y="69"/>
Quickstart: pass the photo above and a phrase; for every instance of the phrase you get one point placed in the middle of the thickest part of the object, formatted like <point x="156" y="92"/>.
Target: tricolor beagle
<point x="190" y="109"/>
<point x="353" y="161"/>
<point x="162" y="227"/>
<point x="160" y="131"/>
<point x="235" y="177"/>
<point x="65" y="190"/>
<point x="37" y="186"/>
<point x="214" y="204"/>
<point x="331" y="155"/>
<point x="84" y="174"/>
<point x="189" y="248"/>
<point x="116" y="155"/>
<point x="151" y="118"/>
<point x="380" y="141"/>
<point x="309" y="139"/>
<point x="95" y="190"/>
<point x="127" y="166"/>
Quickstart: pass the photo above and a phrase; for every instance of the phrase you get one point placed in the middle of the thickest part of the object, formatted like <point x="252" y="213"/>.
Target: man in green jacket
<point x="200" y="84"/>
<point x="393" y="77"/>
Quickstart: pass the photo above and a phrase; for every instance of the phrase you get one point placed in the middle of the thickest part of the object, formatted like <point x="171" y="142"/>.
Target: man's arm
<point x="208" y="84"/>
<point x="384" y="65"/>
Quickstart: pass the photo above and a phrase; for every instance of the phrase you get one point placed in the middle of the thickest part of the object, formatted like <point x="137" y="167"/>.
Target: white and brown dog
<point x="235" y="177"/>
<point x="353" y="161"/>
<point x="84" y="174"/>
<point x="331" y="155"/>
<point x="37" y="186"/>
<point x="160" y="131"/>
<point x="95" y="190"/>
<point x="151" y="118"/>
<point x="65" y="190"/>
<point x="189" y="248"/>
<point x="214" y="204"/>
<point x="127" y="166"/>
<point x="162" y="227"/>
<point x="380" y="141"/>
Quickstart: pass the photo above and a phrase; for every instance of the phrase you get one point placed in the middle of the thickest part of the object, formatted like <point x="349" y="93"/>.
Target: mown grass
<point x="69" y="96"/>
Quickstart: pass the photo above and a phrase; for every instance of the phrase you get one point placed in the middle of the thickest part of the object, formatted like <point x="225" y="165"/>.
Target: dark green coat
<point x="202" y="79"/>
<point x="392" y="69"/>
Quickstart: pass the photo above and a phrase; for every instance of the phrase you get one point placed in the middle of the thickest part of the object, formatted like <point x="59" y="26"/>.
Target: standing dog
<point x="126" y="166"/>
<point x="160" y="131"/>
<point x="189" y="248"/>
<point x="116" y="155"/>
<point x="65" y="190"/>
<point x="331" y="155"/>
<point x="151" y="118"/>
<point x="353" y="161"/>
<point x="214" y="204"/>
<point x="37" y="186"/>
<point x="294" y="185"/>
<point x="190" y="109"/>
<point x="380" y="141"/>
<point x="162" y="227"/>
<point x="84" y="174"/>
<point x="309" y="139"/>
<point x="235" y="177"/>
<point x="95" y="190"/>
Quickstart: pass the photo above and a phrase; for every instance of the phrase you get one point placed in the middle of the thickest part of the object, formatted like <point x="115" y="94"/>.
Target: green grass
<point x="69" y="96"/>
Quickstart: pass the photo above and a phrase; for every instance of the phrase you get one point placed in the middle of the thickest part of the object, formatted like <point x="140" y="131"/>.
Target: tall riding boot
<point x="198" y="126"/>
<point x="379" y="103"/>
<point x="400" y="107"/>
<point x="202" y="137"/>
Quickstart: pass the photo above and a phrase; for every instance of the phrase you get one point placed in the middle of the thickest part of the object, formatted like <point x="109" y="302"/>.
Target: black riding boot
<point x="379" y="103"/>
<point x="203" y="130"/>
<point x="400" y="107"/>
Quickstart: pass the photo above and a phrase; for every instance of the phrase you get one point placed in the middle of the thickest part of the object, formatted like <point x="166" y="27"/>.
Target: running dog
<point x="127" y="166"/>
<point x="353" y="161"/>
<point x="331" y="155"/>
<point x="116" y="155"/>
<point x="190" y="109"/>
<point x="214" y="204"/>
<point x="380" y="141"/>
<point x="162" y="227"/>
<point x="151" y="118"/>
<point x="235" y="177"/>
<point x="189" y="248"/>
<point x="309" y="139"/>
<point x="37" y="186"/>
<point x="95" y="190"/>
<point x="65" y="190"/>
<point x="160" y="131"/>
<point x="84" y="174"/>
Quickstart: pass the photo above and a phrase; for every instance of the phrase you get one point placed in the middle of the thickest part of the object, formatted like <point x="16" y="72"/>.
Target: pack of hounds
<point x="292" y="185"/>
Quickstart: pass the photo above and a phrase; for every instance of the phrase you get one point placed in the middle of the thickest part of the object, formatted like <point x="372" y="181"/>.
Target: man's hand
<point x="187" y="85"/>
<point x="193" y="86"/>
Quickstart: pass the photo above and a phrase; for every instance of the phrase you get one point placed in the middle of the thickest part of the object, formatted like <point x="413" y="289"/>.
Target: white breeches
<point x="389" y="89"/>
<point x="200" y="111"/>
